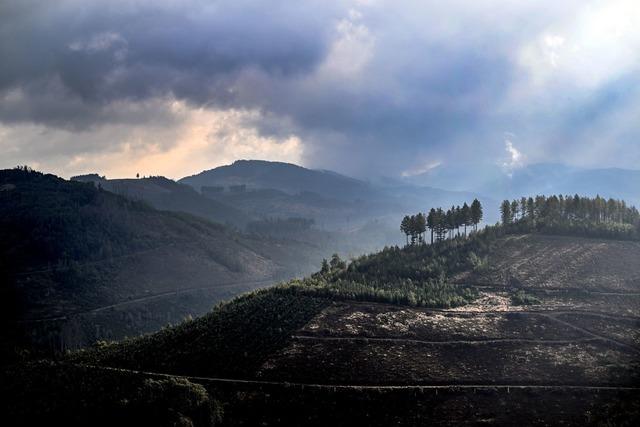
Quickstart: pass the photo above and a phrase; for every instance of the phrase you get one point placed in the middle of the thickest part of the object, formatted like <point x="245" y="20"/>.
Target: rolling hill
<point x="338" y="226"/>
<point x="336" y="202"/>
<point x="165" y="194"/>
<point x="79" y="263"/>
<point x="496" y="322"/>
<point x="265" y="189"/>
<point x="286" y="177"/>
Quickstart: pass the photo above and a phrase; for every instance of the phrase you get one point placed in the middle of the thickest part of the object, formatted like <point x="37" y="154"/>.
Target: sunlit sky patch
<point x="361" y="87"/>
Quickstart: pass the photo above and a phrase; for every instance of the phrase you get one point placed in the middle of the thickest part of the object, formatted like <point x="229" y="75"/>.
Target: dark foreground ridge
<point x="496" y="328"/>
<point x="302" y="386"/>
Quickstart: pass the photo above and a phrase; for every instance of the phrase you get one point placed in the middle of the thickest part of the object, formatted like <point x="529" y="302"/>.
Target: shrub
<point x="522" y="298"/>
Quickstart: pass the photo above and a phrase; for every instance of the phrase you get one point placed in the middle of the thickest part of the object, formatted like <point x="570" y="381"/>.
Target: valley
<point x="221" y="213"/>
<point x="297" y="356"/>
<point x="103" y="259"/>
<point x="80" y="263"/>
<point x="534" y="320"/>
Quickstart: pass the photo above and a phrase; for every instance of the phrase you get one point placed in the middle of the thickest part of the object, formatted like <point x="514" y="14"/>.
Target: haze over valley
<point x="353" y="212"/>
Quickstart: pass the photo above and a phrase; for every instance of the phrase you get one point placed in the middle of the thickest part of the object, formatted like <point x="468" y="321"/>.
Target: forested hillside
<point x="333" y="201"/>
<point x="450" y="322"/>
<point x="292" y="179"/>
<point x="333" y="225"/>
<point x="165" y="194"/>
<point x="69" y="250"/>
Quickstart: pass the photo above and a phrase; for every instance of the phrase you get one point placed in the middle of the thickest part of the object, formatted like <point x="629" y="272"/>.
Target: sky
<point x="362" y="87"/>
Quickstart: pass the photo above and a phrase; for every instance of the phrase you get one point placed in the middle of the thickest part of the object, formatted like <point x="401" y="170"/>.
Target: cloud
<point x="515" y="158"/>
<point x="362" y="87"/>
<point x="98" y="42"/>
<point x="350" y="52"/>
<point x="200" y="139"/>
<point x="99" y="52"/>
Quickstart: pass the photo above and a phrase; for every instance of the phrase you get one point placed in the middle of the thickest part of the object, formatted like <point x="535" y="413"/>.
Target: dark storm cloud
<point x="367" y="86"/>
<point x="406" y="102"/>
<point x="93" y="53"/>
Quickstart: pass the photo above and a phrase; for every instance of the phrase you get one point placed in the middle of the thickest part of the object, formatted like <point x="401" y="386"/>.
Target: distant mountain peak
<point x="287" y="177"/>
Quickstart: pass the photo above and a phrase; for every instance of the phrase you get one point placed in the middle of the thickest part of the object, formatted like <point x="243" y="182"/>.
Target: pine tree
<point x="441" y="227"/>
<point x="476" y="213"/>
<point x="404" y="227"/>
<point x="420" y="226"/>
<point x="531" y="210"/>
<point x="466" y="216"/>
<point x="562" y="213"/>
<point x="505" y="211"/>
<point x="451" y="220"/>
<point x="514" y="211"/>
<point x="431" y="222"/>
<point x="325" y="266"/>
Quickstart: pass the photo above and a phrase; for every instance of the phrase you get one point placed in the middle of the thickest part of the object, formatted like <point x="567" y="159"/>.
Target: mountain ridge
<point x="69" y="247"/>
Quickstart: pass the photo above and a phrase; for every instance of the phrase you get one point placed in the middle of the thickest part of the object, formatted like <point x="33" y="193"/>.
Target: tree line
<point x="575" y="215"/>
<point x="441" y="223"/>
<point x="568" y="208"/>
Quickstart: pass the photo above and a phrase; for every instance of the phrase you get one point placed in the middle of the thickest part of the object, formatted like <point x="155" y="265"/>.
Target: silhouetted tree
<point x="441" y="223"/>
<point x="325" y="266"/>
<point x="531" y="210"/>
<point x="336" y="263"/>
<point x="405" y="227"/>
<point x="431" y="222"/>
<point x="505" y="212"/>
<point x="465" y="213"/>
<point x="514" y="210"/>
<point x="476" y="213"/>
<point x="420" y="226"/>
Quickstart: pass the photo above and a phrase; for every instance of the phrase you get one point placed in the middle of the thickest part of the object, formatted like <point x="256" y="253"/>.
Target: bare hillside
<point x="557" y="262"/>
<point x="528" y="350"/>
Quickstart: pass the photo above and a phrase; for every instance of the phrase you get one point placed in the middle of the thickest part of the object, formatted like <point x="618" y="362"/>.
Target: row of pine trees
<point x="441" y="224"/>
<point x="568" y="209"/>
<point x="595" y="216"/>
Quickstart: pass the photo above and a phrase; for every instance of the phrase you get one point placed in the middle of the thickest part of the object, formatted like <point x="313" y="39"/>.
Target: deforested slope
<point x="394" y="324"/>
<point x="559" y="262"/>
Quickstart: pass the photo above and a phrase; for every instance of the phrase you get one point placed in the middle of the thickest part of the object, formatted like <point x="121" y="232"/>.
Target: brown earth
<point x="571" y="359"/>
<point x="386" y="345"/>
<point x="556" y="262"/>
